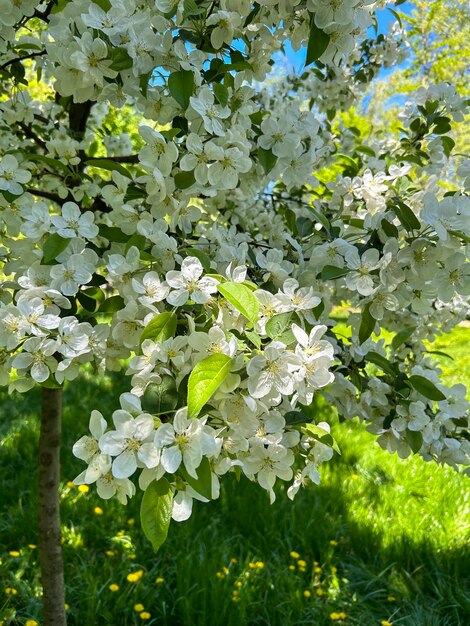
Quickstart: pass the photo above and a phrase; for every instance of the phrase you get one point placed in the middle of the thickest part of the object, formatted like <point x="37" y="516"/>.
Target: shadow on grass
<point x="371" y="562"/>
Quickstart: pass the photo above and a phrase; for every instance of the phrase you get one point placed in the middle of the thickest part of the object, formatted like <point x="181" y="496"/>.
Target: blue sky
<point x="384" y="19"/>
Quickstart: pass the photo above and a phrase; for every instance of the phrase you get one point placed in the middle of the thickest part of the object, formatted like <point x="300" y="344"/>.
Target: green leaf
<point x="279" y="328"/>
<point x="407" y="218"/>
<point x="183" y="180"/>
<point x="110" y="165"/>
<point x="54" y="164"/>
<point x="113" y="233"/>
<point x="162" y="397"/>
<point x="320" y="434"/>
<point x="426" y="388"/>
<point x="89" y="304"/>
<point x="203" y="483"/>
<point x="402" y="336"/>
<point x="448" y="144"/>
<point x="181" y="86"/>
<point x="221" y="93"/>
<point x="161" y="327"/>
<point x="382" y="362"/>
<point x="330" y="272"/>
<point x="320" y="218"/>
<point x="204" y="380"/>
<point x="55" y="244"/>
<point x="203" y="257"/>
<point x="294" y="418"/>
<point x="155" y="511"/>
<point x="241" y="298"/>
<point x="267" y="159"/>
<point x="317" y="43"/>
<point x="254" y="338"/>
<point x="120" y="59"/>
<point x="367" y="325"/>
<point x="414" y="440"/>
<point x="112" y="305"/>
<point x="439" y="353"/>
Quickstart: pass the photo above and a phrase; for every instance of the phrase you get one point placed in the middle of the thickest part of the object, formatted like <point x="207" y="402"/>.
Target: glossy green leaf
<point x="204" y="380"/>
<point x="242" y="298"/>
<point x="321" y="435"/>
<point x="181" y="86"/>
<point x="112" y="305"/>
<point x="267" y="159"/>
<point x="161" y="327"/>
<point x="426" y="388"/>
<point x="367" y="325"/>
<point x="318" y="42"/>
<point x="155" y="511"/>
<point x="110" y="165"/>
<point x="54" y="245"/>
<point x="279" y="328"/>
<point x="162" y="397"/>
<point x="203" y="483"/>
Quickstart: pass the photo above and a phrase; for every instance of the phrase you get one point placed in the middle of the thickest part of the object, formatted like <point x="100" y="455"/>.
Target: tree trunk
<point x="50" y="549"/>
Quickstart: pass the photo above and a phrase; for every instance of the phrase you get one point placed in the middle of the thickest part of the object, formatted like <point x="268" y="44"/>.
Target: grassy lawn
<point x="380" y="540"/>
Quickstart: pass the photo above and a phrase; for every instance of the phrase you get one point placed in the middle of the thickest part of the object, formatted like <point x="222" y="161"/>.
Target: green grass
<point x="382" y="539"/>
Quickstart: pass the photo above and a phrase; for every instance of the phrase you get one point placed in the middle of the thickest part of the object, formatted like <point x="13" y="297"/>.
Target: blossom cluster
<point x="164" y="214"/>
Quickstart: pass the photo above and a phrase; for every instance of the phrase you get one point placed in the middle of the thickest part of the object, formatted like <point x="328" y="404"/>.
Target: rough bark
<point x="50" y="549"/>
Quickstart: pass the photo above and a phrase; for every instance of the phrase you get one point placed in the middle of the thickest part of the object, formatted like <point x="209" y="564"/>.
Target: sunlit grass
<point x="380" y="540"/>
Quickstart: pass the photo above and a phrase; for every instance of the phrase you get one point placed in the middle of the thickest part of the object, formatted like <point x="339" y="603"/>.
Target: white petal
<point x="124" y="465"/>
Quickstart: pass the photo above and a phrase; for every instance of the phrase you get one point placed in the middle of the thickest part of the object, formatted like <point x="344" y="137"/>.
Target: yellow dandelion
<point x="233" y="561"/>
<point x="333" y="543"/>
<point x="219" y="574"/>
<point x="159" y="581"/>
<point x="70" y="483"/>
<point x="110" y="553"/>
<point x="145" y="615"/>
<point x="252" y="565"/>
<point x="113" y="587"/>
<point x="336" y="616"/>
<point x="307" y="594"/>
<point x="292" y="568"/>
<point x="320" y="592"/>
<point x="132" y="556"/>
<point x="66" y="606"/>
<point x="32" y="546"/>
<point x="225" y="570"/>
<point x="295" y="555"/>
<point x="259" y="564"/>
<point x="14" y="553"/>
<point x="391" y="598"/>
<point x="134" y="577"/>
<point x="317" y="570"/>
<point x="333" y="569"/>
<point x="131" y="521"/>
<point x="98" y="510"/>
<point x="139" y="607"/>
<point x="302" y="563"/>
<point x="354" y="476"/>
<point x="83" y="488"/>
<point x="302" y="570"/>
<point x="236" y="592"/>
<point x="11" y="591"/>
<point x="235" y="599"/>
<point x="385" y="622"/>
<point x="31" y="622"/>
<point x="238" y="583"/>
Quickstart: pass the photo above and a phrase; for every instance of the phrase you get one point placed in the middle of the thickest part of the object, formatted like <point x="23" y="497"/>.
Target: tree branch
<point x="131" y="158"/>
<point x="27" y="56"/>
<point x="49" y="195"/>
<point x="29" y="132"/>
